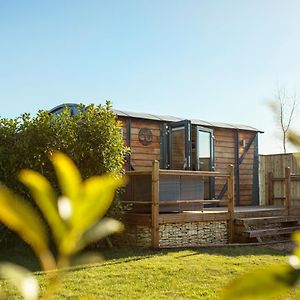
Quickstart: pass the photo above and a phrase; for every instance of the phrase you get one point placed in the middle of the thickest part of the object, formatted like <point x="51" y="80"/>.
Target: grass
<point x="145" y="274"/>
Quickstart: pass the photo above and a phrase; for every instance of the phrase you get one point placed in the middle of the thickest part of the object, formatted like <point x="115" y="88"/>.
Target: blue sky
<point x="211" y="60"/>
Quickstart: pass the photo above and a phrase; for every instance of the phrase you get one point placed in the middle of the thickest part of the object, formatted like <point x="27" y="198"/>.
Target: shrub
<point x="92" y="139"/>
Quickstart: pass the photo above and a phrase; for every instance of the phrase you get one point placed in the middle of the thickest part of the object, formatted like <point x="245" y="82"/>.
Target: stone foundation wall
<point x="175" y="235"/>
<point x="133" y="236"/>
<point x="192" y="234"/>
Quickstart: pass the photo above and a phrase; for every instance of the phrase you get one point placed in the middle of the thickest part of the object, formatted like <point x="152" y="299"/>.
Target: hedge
<point x="92" y="138"/>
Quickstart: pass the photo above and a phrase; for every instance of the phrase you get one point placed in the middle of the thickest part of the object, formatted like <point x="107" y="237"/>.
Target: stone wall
<point x="192" y="234"/>
<point x="133" y="236"/>
<point x="189" y="234"/>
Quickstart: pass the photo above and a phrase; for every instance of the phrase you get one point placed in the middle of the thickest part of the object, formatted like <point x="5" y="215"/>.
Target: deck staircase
<point x="266" y="228"/>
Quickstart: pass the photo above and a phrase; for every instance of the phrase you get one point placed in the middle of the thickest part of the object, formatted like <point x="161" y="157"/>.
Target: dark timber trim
<point x="128" y="142"/>
<point x="255" y="186"/>
<point x="186" y="124"/>
<point x="240" y="160"/>
<point x="163" y="146"/>
<point x="237" y="166"/>
<point x="247" y="148"/>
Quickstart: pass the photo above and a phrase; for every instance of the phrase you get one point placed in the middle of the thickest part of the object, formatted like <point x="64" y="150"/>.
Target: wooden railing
<point x="156" y="175"/>
<point x="286" y="181"/>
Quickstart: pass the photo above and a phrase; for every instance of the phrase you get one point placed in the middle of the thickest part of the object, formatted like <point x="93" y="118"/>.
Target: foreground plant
<point x="273" y="281"/>
<point x="74" y="218"/>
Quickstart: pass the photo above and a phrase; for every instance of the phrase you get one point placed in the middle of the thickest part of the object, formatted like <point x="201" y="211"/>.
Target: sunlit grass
<point x="142" y="274"/>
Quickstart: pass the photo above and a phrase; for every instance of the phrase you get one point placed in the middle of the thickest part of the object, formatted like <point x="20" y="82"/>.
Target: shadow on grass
<point x="22" y="254"/>
<point x="230" y="251"/>
<point x="236" y="251"/>
<point x="117" y="256"/>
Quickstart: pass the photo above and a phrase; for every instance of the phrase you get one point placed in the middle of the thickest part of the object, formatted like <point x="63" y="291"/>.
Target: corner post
<point x="155" y="205"/>
<point x="230" y="202"/>
<point x="270" y="189"/>
<point x="287" y="181"/>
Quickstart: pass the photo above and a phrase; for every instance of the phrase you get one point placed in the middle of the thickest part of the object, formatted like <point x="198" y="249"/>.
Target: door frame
<point x="188" y="144"/>
<point x="212" y="157"/>
<point x="212" y="146"/>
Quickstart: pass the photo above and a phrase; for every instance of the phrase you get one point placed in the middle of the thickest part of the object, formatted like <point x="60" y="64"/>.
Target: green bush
<point x="92" y="139"/>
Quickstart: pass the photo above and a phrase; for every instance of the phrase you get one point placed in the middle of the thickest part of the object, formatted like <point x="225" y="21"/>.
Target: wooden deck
<point x="207" y="214"/>
<point x="184" y="207"/>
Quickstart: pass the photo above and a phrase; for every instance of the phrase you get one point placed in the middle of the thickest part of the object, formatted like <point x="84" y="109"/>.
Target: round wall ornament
<point x="145" y="136"/>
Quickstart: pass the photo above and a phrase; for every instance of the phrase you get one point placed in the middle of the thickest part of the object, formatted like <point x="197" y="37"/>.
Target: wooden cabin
<point x="196" y="145"/>
<point x="193" y="183"/>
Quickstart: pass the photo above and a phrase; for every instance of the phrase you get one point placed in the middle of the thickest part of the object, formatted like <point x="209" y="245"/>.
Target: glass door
<point x="180" y="145"/>
<point x="205" y="157"/>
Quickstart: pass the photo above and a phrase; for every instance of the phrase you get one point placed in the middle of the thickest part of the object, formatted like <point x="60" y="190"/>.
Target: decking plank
<point x="267" y="220"/>
<point x="271" y="231"/>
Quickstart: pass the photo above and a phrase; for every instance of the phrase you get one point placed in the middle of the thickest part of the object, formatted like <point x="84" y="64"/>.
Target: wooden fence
<point x="286" y="198"/>
<point x="152" y="183"/>
<point x="273" y="179"/>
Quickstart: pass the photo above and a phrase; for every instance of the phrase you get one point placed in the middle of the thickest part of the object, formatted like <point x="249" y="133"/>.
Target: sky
<point x="212" y="60"/>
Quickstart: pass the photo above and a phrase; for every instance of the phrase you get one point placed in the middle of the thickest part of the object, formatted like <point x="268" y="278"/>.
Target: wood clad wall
<point x="246" y="170"/>
<point x="225" y="155"/>
<point x="277" y="163"/>
<point x="142" y="156"/>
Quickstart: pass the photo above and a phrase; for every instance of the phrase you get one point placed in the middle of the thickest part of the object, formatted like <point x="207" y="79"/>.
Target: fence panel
<point x="276" y="164"/>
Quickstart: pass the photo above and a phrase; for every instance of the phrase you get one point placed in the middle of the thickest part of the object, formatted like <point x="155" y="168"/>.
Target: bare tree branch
<point x="284" y="108"/>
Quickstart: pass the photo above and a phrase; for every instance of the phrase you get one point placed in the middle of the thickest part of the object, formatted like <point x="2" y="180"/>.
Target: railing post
<point x="230" y="203"/>
<point x="155" y="205"/>
<point x="287" y="182"/>
<point x="270" y="189"/>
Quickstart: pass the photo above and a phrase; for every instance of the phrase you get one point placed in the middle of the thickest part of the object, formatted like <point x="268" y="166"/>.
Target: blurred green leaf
<point x="22" y="279"/>
<point x="93" y="198"/>
<point x="87" y="258"/>
<point x="68" y="176"/>
<point x="262" y="284"/>
<point x="98" y="193"/>
<point x="294" y="138"/>
<point x="296" y="237"/>
<point x="45" y="198"/>
<point x="18" y="215"/>
<point x="101" y="230"/>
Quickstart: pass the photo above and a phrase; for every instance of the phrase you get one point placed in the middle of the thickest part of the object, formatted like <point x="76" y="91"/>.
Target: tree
<point x="284" y="107"/>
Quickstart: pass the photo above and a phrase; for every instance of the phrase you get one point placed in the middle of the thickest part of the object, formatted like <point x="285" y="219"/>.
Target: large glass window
<point x="178" y="159"/>
<point x="204" y="151"/>
<point x="204" y="157"/>
<point x="180" y="145"/>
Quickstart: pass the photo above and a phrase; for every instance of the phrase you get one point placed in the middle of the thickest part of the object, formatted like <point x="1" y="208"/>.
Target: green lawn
<point x="142" y="274"/>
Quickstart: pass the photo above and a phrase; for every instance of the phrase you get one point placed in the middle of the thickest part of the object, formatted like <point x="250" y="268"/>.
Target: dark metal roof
<point x="62" y="106"/>
<point x="167" y="118"/>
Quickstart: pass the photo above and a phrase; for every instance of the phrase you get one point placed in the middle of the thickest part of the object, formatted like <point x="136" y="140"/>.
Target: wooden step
<point x="270" y="231"/>
<point x="266" y="220"/>
<point x="263" y="212"/>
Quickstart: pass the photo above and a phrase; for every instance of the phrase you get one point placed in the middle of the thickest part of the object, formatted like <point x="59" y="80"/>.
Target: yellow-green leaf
<point x="262" y="284"/>
<point x="98" y="194"/>
<point x="45" y="198"/>
<point x="18" y="215"/>
<point x="294" y="138"/>
<point x="22" y="279"/>
<point x="87" y="258"/>
<point x="101" y="230"/>
<point x="68" y="176"/>
<point x="296" y="237"/>
<point x="78" y="239"/>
